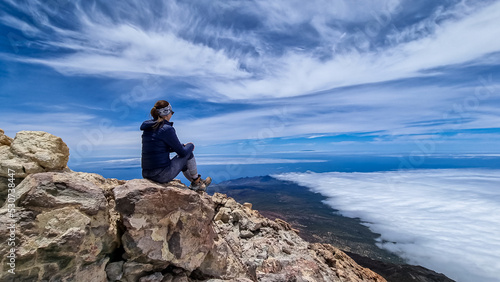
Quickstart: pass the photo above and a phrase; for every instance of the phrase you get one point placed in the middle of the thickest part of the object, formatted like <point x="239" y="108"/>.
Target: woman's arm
<point x="170" y="137"/>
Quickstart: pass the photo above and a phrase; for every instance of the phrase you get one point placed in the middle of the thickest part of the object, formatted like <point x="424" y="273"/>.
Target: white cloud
<point x="18" y="24"/>
<point x="128" y="51"/>
<point x="453" y="42"/>
<point x="387" y="110"/>
<point x="283" y="13"/>
<point x="445" y="220"/>
<point x="122" y="46"/>
<point x="115" y="163"/>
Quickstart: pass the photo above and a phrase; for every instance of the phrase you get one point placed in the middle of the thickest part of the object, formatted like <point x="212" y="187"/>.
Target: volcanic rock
<point x="29" y="152"/>
<point x="63" y="228"/>
<point x="165" y="224"/>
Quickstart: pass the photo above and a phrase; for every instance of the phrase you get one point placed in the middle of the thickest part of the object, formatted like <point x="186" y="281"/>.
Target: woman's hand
<point x="188" y="144"/>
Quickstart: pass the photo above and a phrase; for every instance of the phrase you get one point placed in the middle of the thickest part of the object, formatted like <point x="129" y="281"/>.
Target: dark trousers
<point x="186" y="164"/>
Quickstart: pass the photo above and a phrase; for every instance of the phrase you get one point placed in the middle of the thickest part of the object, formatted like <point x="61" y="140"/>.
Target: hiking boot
<point x="200" y="184"/>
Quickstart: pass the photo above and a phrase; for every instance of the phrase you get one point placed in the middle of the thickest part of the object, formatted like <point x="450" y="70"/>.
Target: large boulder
<point x="64" y="230"/>
<point x="47" y="151"/>
<point x="30" y="152"/>
<point x="165" y="224"/>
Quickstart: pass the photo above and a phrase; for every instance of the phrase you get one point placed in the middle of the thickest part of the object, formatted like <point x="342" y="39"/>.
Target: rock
<point x="93" y="272"/>
<point x="32" y="152"/>
<point x="155" y="277"/>
<point x="114" y="270"/>
<point x="164" y="224"/>
<point x="132" y="271"/>
<point x="4" y="187"/>
<point x="284" y="225"/>
<point x="223" y="215"/>
<point x="248" y="205"/>
<point x="4" y="139"/>
<point x="219" y="199"/>
<point x="63" y="228"/>
<point x="245" y="234"/>
<point x="47" y="150"/>
<point x="238" y="215"/>
<point x="347" y="268"/>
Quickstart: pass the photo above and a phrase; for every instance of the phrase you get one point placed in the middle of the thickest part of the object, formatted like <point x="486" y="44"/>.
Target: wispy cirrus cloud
<point x="397" y="68"/>
<point x="453" y="41"/>
<point x="99" y="42"/>
<point x="172" y="40"/>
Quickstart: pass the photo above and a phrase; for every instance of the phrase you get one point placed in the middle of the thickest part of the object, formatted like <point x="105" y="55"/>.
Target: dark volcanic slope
<point x="318" y="222"/>
<point x="304" y="209"/>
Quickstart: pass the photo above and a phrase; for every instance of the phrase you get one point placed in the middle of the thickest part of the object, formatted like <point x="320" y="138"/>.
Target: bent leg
<point x="176" y="166"/>
<point x="190" y="171"/>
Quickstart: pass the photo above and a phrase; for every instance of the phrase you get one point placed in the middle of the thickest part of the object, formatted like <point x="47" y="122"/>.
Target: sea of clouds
<point x="447" y="220"/>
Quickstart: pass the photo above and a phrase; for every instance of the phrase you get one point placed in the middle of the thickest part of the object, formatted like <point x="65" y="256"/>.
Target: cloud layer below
<point x="445" y="220"/>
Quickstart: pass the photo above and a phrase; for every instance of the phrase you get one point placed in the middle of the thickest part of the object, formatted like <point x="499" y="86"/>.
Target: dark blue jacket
<point x="158" y="143"/>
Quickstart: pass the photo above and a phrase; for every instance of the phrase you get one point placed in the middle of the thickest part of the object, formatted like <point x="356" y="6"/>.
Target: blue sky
<point x="254" y="78"/>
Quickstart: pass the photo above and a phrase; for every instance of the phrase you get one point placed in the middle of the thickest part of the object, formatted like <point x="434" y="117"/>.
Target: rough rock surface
<point x="64" y="228"/>
<point x="165" y="224"/>
<point x="4" y="139"/>
<point x="69" y="228"/>
<point x="30" y="152"/>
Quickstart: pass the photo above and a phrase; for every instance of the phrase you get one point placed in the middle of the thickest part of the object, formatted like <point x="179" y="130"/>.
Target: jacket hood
<point x="148" y="124"/>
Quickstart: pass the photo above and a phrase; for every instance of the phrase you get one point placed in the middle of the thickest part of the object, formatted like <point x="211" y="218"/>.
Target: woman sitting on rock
<point x="158" y="140"/>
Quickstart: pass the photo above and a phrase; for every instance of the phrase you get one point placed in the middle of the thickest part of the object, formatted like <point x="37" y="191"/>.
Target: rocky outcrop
<point x="73" y="226"/>
<point x="65" y="228"/>
<point x="30" y="152"/>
